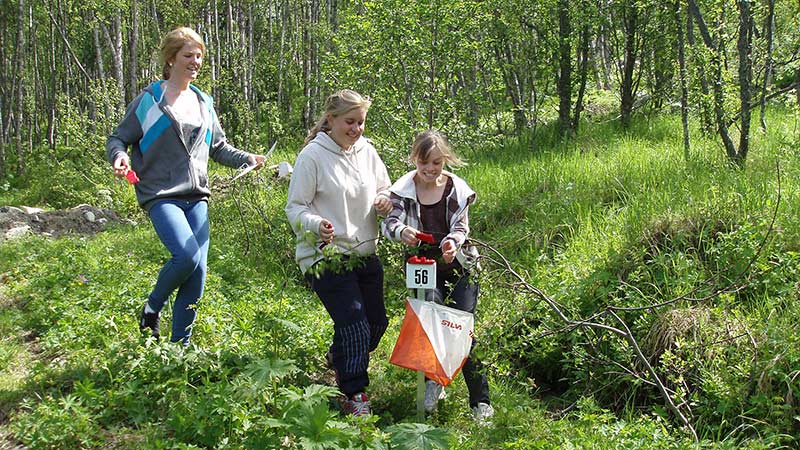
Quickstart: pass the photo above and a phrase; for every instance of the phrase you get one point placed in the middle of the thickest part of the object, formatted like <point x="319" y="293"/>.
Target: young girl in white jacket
<point x="434" y="201"/>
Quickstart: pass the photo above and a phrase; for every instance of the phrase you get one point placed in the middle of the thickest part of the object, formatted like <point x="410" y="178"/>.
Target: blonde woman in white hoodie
<point x="338" y="188"/>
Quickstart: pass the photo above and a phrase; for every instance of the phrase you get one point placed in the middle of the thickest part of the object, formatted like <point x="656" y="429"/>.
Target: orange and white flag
<point x="435" y="339"/>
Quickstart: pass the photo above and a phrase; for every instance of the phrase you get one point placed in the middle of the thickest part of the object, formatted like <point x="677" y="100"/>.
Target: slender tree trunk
<point x="683" y="79"/>
<point x="314" y="44"/>
<point x="433" y="63"/>
<point x="333" y="15"/>
<point x="770" y="27"/>
<point x="744" y="48"/>
<point x="19" y="68"/>
<point x="281" y="53"/>
<point x="306" y="113"/>
<point x="564" y="80"/>
<point x="114" y="40"/>
<point x="2" y="145"/>
<point x="51" y="116"/>
<point x="133" y="53"/>
<point x="215" y="56"/>
<point x="605" y="59"/>
<point x="797" y="83"/>
<point x="719" y="112"/>
<point x="4" y="64"/>
<point x="249" y="96"/>
<point x="33" y="117"/>
<point x="630" y="27"/>
<point x="583" y="74"/>
<point x="117" y="58"/>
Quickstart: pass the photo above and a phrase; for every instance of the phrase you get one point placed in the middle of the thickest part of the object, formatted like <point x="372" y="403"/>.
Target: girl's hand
<point x="121" y="166"/>
<point x="382" y="205"/>
<point x="326" y="231"/>
<point x="449" y="250"/>
<point x="409" y="236"/>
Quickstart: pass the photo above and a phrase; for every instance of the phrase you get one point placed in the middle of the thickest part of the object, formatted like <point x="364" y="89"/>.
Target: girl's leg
<point x="464" y="296"/>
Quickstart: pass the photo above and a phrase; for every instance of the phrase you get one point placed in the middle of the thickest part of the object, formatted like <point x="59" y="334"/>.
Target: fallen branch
<point x="622" y="329"/>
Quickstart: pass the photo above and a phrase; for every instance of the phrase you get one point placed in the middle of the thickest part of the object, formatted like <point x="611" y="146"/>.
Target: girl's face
<point x="186" y="63"/>
<point x="348" y="127"/>
<point x="430" y="170"/>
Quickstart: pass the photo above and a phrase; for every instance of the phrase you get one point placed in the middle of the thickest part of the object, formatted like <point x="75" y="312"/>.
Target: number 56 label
<point x="421" y="276"/>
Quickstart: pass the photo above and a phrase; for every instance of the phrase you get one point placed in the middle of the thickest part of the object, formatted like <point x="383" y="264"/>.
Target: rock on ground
<point x="83" y="219"/>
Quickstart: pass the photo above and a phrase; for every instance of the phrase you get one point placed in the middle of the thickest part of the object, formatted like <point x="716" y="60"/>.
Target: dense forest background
<point x="636" y="162"/>
<point x="474" y="68"/>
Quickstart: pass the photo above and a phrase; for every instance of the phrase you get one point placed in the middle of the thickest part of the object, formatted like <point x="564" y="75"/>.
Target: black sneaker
<point x="149" y="321"/>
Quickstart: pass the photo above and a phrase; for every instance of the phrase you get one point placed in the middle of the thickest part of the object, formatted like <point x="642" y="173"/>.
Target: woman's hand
<point x="326" y="231"/>
<point x="256" y="160"/>
<point x="121" y="166"/>
<point x="449" y="250"/>
<point x="382" y="205"/>
<point x="409" y="236"/>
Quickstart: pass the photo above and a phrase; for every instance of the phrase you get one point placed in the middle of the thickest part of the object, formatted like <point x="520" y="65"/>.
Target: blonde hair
<point x="173" y="42"/>
<point x="429" y="141"/>
<point x="338" y="103"/>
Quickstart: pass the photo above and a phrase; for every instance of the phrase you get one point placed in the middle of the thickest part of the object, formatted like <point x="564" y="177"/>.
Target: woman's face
<point x="186" y="63"/>
<point x="348" y="127"/>
<point x="430" y="169"/>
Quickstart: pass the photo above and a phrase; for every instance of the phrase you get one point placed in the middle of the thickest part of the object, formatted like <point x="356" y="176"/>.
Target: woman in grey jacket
<point x="338" y="186"/>
<point x="172" y="129"/>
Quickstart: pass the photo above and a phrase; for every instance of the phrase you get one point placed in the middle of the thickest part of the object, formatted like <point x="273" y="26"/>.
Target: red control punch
<point x="131" y="176"/>
<point x="420" y="260"/>
<point x="425" y="237"/>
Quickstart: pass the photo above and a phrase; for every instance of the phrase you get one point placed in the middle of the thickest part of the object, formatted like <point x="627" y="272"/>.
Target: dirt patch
<point x="83" y="220"/>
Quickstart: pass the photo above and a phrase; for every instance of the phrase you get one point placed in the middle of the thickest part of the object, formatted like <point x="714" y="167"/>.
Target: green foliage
<point x="413" y="436"/>
<point x="609" y="219"/>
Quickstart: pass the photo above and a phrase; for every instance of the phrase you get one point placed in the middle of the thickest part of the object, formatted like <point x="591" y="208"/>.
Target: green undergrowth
<point x="609" y="218"/>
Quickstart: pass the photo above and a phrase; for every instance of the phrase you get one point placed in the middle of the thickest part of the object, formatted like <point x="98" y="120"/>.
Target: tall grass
<point x="610" y="217"/>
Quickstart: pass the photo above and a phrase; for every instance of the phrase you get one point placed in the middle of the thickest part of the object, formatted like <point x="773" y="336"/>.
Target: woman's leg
<point x="341" y="295"/>
<point x="175" y="223"/>
<point x="370" y="282"/>
<point x="184" y="311"/>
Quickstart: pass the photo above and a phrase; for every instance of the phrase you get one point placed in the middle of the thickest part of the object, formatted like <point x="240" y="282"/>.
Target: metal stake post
<point x="420" y="276"/>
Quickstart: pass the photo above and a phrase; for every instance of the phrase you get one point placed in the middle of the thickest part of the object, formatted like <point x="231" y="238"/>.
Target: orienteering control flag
<point x="435" y="339"/>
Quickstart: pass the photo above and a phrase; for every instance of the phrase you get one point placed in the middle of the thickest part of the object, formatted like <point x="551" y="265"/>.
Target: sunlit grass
<point x="573" y="217"/>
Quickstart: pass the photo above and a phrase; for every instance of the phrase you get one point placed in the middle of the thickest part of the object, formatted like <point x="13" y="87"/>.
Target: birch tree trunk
<point x="744" y="48"/>
<point x="4" y="64"/>
<point x="19" y="69"/>
<point x="683" y="79"/>
<point x="719" y="112"/>
<point x="630" y="22"/>
<point x="564" y="80"/>
<point x="583" y="74"/>
<point x="770" y="27"/>
<point x="133" y="53"/>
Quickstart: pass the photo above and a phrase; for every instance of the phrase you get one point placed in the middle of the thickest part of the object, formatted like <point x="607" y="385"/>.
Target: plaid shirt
<point x="406" y="211"/>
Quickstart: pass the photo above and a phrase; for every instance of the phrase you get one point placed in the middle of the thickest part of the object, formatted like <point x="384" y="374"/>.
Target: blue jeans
<point x="354" y="300"/>
<point x="183" y="229"/>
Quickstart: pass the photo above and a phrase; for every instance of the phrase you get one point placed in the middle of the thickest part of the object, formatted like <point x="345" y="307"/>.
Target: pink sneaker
<point x="358" y="405"/>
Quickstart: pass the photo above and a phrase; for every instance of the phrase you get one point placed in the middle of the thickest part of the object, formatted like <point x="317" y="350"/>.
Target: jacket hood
<point x="404" y="187"/>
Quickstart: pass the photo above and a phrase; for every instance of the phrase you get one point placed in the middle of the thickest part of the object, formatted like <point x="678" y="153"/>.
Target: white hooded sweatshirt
<point x="340" y="186"/>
